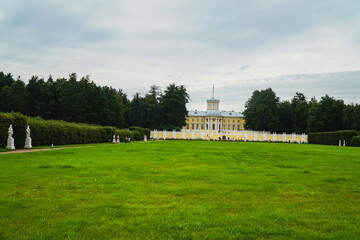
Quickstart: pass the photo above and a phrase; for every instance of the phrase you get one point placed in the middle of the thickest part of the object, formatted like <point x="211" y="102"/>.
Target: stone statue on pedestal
<point x="118" y="139"/>
<point x="114" y="139"/>
<point x="28" y="138"/>
<point x="145" y="138"/>
<point x="10" y="140"/>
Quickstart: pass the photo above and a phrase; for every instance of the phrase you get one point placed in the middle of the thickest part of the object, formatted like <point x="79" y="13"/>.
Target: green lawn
<point x="182" y="190"/>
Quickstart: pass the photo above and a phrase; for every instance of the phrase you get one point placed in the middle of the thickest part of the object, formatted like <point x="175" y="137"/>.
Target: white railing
<point x="244" y="135"/>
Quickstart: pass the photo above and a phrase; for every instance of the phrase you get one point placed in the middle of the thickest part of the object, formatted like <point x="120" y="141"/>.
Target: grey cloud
<point x="341" y="85"/>
<point x="41" y="24"/>
<point x="242" y="68"/>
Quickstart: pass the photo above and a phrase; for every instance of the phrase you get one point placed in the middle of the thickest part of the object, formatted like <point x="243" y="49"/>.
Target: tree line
<point x="265" y="111"/>
<point x="82" y="101"/>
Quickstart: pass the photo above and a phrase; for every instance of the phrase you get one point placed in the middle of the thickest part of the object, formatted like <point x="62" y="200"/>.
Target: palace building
<point x="214" y="124"/>
<point x="214" y="120"/>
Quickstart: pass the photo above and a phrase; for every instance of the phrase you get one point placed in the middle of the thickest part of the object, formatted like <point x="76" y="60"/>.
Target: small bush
<point x="355" y="141"/>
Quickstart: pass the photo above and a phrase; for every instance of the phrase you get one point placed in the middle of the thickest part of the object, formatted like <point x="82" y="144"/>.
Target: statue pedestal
<point x="10" y="143"/>
<point x="28" y="142"/>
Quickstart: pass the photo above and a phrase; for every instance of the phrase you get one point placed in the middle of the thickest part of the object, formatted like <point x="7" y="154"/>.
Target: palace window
<point x="197" y="126"/>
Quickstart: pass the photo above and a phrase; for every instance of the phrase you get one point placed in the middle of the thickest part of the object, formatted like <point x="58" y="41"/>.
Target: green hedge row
<point x="332" y="138"/>
<point x="57" y="132"/>
<point x="142" y="131"/>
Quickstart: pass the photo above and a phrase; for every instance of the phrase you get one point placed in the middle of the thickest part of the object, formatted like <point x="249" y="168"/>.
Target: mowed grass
<point x="182" y="190"/>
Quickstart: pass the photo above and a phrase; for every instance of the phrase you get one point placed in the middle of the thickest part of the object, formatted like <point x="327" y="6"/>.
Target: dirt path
<point x="36" y="150"/>
<point x="47" y="149"/>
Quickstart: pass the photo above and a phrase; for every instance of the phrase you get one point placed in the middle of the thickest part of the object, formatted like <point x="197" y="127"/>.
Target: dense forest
<point x="264" y="111"/>
<point x="82" y="101"/>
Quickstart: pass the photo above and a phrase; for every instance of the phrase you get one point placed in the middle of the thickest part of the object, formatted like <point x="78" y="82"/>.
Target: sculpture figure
<point x="10" y="140"/>
<point x="28" y="138"/>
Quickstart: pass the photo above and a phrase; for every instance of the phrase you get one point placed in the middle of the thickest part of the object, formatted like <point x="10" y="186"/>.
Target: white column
<point x="164" y="134"/>
<point x="284" y="137"/>
<point x="274" y="137"/>
<point x="174" y="134"/>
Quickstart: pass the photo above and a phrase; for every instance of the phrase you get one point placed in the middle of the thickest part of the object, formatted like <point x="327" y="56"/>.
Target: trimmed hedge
<point x="142" y="131"/>
<point x="355" y="141"/>
<point x="332" y="138"/>
<point x="58" y="132"/>
<point x="18" y="122"/>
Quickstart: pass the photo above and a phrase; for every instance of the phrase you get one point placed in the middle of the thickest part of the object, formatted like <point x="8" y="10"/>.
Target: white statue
<point x="28" y="131"/>
<point x="114" y="139"/>
<point x="10" y="140"/>
<point x="28" y="138"/>
<point x="10" y="131"/>
<point x="118" y="139"/>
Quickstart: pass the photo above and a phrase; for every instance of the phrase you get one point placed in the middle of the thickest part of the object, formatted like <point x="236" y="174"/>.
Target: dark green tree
<point x="13" y="97"/>
<point x="262" y="111"/>
<point x="351" y="117"/>
<point x="136" y="110"/>
<point x="316" y="118"/>
<point x="286" y="117"/>
<point x="300" y="116"/>
<point x="173" y="106"/>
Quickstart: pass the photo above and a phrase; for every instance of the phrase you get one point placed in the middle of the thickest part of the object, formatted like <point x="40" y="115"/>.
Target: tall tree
<point x="12" y="97"/>
<point x="316" y="119"/>
<point x="173" y="106"/>
<point x="262" y="111"/>
<point x="351" y="117"/>
<point x="300" y="116"/>
<point x="286" y="117"/>
<point x="136" y="109"/>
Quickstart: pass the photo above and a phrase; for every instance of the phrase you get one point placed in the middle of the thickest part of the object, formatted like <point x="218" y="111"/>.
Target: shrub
<point x="142" y="131"/>
<point x="18" y="122"/>
<point x="355" y="141"/>
<point x="332" y="138"/>
<point x="58" y="132"/>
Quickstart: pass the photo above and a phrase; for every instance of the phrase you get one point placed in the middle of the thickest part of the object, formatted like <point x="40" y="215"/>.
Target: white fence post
<point x="164" y="134"/>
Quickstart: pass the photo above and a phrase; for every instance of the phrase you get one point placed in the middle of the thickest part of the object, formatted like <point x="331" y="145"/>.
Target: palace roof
<point x="214" y="114"/>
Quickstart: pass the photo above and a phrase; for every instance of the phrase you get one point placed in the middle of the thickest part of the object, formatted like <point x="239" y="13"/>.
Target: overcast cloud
<point x="289" y="45"/>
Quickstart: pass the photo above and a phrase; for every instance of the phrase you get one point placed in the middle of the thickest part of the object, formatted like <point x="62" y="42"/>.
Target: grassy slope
<point x="182" y="190"/>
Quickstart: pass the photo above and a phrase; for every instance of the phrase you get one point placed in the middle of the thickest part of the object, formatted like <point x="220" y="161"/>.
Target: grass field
<point x="182" y="190"/>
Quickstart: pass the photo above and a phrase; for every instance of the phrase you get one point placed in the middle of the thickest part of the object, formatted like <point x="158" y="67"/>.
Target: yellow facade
<point x="214" y="120"/>
<point x="209" y="123"/>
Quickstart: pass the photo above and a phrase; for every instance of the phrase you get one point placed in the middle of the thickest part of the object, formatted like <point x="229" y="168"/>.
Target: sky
<point x="239" y="46"/>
